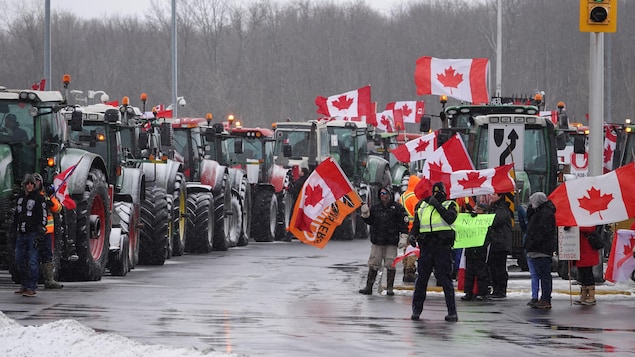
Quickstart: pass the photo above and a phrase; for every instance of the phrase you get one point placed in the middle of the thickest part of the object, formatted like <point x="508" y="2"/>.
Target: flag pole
<point x="68" y="176"/>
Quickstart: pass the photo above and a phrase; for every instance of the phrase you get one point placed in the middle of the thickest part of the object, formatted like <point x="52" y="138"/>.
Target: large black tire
<point x="178" y="224"/>
<point x="244" y="197"/>
<point x="200" y="222"/>
<point x="222" y="220"/>
<point x="129" y="222"/>
<point x="119" y="261"/>
<point x="153" y="243"/>
<point x="264" y="214"/>
<point x="92" y="230"/>
<point x="285" y="209"/>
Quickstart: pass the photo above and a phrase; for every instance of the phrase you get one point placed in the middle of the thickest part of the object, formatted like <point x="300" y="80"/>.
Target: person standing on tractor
<point x="45" y="241"/>
<point x="29" y="221"/>
<point x="388" y="223"/>
<point x="433" y="232"/>
<point x="409" y="201"/>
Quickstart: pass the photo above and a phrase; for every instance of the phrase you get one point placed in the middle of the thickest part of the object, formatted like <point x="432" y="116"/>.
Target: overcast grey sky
<point x="99" y="8"/>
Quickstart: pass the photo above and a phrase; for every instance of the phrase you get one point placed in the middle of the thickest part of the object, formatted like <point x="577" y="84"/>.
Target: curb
<point x="439" y="289"/>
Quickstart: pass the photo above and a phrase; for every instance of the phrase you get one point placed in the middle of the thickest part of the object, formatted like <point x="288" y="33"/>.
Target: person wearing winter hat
<point x="432" y="230"/>
<point x="540" y="243"/>
<point x="388" y="223"/>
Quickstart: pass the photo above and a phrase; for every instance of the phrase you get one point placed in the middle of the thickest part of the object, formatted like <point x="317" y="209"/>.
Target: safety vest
<point x="430" y="220"/>
<point x="56" y="207"/>
<point x="409" y="200"/>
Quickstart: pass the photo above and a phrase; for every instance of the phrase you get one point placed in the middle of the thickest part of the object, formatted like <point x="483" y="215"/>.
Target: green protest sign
<point x="471" y="231"/>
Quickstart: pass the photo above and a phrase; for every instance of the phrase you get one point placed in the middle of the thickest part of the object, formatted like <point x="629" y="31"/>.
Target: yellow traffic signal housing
<point x="598" y="15"/>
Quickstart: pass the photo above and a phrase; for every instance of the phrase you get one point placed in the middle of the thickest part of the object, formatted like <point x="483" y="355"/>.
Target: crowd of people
<point x="425" y="220"/>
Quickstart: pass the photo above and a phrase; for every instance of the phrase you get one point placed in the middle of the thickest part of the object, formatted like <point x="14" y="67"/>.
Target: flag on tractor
<point x="351" y="104"/>
<point x="463" y="79"/>
<point x="326" y="198"/>
<point x="416" y="149"/>
<point x="412" y="111"/>
<point x="60" y="182"/>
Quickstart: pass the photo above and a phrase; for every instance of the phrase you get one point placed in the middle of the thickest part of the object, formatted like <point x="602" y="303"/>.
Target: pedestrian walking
<point x="500" y="237"/>
<point x="388" y="223"/>
<point x="29" y="221"/>
<point x="541" y="242"/>
<point x="432" y="230"/>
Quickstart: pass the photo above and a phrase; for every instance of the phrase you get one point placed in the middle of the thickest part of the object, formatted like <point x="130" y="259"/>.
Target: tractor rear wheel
<point x="200" y="222"/>
<point x="153" y="245"/>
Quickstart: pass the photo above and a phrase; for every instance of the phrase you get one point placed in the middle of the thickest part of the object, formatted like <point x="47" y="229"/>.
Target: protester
<point x="535" y="282"/>
<point x="589" y="258"/>
<point x="432" y="230"/>
<point x="45" y="241"/>
<point x="500" y="237"/>
<point x="29" y="221"/>
<point x="388" y="223"/>
<point x="409" y="201"/>
<point x="541" y="242"/>
<point x="476" y="267"/>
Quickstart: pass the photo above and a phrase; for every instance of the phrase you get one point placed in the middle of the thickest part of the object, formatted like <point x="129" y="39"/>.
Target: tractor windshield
<point x="17" y="129"/>
<point x="298" y="140"/>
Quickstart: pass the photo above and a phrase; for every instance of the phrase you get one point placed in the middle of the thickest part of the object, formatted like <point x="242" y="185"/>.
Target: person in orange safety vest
<point x="45" y="242"/>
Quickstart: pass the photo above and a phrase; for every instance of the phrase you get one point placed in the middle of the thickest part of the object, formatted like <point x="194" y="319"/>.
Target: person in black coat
<point x="388" y="223"/>
<point x="499" y="236"/>
<point x="541" y="242"/>
<point x="476" y="267"/>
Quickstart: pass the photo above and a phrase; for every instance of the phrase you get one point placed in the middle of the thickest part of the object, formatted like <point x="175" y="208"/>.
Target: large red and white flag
<point x="596" y="200"/>
<point x="326" y="198"/>
<point x="610" y="143"/>
<point x="621" y="262"/>
<point x="416" y="149"/>
<point x="412" y="111"/>
<point x="60" y="182"/>
<point x="449" y="157"/>
<point x="463" y="79"/>
<point x="389" y="121"/>
<point x="464" y="183"/>
<point x="350" y="104"/>
<point x="410" y="250"/>
<point x="39" y="85"/>
<point x="162" y="112"/>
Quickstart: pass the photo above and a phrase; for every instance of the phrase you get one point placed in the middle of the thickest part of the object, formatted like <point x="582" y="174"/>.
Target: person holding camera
<point x="29" y="221"/>
<point x="388" y="223"/>
<point x="432" y="230"/>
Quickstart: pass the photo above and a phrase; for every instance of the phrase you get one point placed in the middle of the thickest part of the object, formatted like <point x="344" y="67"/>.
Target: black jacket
<point x="386" y="223"/>
<point x="541" y="235"/>
<point x="499" y="234"/>
<point x="30" y="213"/>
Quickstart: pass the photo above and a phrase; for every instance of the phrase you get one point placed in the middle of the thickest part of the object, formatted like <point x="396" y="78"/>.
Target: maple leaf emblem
<point x="473" y="180"/>
<point x="342" y="102"/>
<point x="628" y="249"/>
<point x="422" y="146"/>
<point x="596" y="201"/>
<point x="608" y="154"/>
<point x="436" y="166"/>
<point x="406" y="110"/>
<point x="450" y="78"/>
<point x="313" y="195"/>
<point x="385" y="121"/>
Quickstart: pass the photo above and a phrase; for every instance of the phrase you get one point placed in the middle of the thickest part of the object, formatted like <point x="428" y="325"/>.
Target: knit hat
<point x="537" y="199"/>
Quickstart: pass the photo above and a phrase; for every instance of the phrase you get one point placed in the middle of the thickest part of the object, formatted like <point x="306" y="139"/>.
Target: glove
<point x="50" y="190"/>
<point x="473" y="214"/>
<point x="403" y="241"/>
<point x="413" y="241"/>
<point x="432" y="201"/>
<point x="365" y="211"/>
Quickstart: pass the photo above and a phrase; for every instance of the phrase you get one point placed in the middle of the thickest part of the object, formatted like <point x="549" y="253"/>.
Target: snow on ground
<point x="69" y="338"/>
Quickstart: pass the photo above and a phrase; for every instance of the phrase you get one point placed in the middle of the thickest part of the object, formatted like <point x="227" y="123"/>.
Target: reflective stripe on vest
<point x="430" y="220"/>
<point x="50" y="224"/>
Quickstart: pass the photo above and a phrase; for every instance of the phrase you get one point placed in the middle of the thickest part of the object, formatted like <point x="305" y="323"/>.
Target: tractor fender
<point x="85" y="160"/>
<point x="375" y="172"/>
<point x="161" y="174"/>
<point x="235" y="178"/>
<point x="212" y="174"/>
<point x="133" y="185"/>
<point x="398" y="172"/>
<point x="280" y="178"/>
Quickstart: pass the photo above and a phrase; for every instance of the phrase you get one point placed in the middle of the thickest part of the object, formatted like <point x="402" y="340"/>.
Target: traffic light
<point x="598" y="15"/>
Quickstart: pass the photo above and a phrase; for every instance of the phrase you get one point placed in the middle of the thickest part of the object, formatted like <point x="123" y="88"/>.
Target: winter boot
<point x="584" y="292"/>
<point x="390" y="277"/>
<point x="368" y="290"/>
<point x="49" y="277"/>
<point x="590" y="297"/>
<point x="409" y="276"/>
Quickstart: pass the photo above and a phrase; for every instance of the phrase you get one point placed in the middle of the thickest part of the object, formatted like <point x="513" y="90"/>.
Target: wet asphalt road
<point x="291" y="299"/>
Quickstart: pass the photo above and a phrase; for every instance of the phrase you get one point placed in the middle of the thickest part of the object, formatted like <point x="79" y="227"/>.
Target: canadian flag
<point x="389" y="120"/>
<point x="326" y="198"/>
<point x="412" y="111"/>
<point x="621" y="263"/>
<point x="162" y="111"/>
<point x="61" y="192"/>
<point x="350" y="104"/>
<point x="464" y="183"/>
<point x="39" y="85"/>
<point x="416" y="149"/>
<point x="596" y="200"/>
<point x="463" y="79"/>
<point x="449" y="157"/>
<point x="610" y="142"/>
<point x="410" y="250"/>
